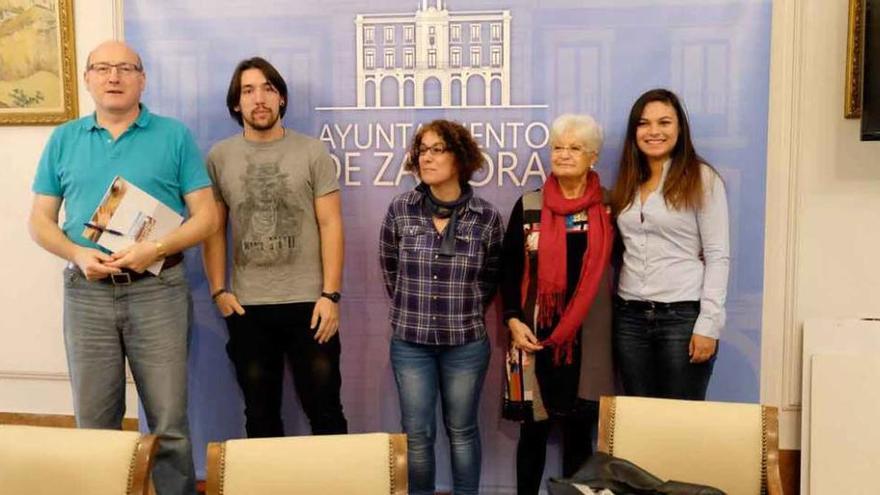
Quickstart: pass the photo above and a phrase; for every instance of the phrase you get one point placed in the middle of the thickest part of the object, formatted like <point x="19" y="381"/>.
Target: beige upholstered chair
<point x="36" y="460"/>
<point x="365" y="464"/>
<point x="733" y="447"/>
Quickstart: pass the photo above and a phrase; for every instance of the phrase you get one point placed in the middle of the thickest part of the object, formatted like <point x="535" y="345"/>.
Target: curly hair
<point x="458" y="140"/>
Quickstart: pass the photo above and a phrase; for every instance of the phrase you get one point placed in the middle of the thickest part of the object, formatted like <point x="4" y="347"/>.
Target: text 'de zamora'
<point x="387" y="168"/>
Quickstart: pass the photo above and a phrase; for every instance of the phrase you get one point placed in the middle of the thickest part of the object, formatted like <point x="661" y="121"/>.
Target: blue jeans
<point x="457" y="372"/>
<point x="148" y="323"/>
<point x="651" y="351"/>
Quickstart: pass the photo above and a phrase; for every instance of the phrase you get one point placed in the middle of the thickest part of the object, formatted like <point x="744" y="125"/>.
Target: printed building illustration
<point x="433" y="58"/>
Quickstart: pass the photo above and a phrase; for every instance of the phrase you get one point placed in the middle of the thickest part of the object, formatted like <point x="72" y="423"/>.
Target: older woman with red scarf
<point x="557" y="304"/>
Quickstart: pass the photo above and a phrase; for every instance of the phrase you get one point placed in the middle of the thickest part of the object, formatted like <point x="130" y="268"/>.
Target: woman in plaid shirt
<point x="440" y="248"/>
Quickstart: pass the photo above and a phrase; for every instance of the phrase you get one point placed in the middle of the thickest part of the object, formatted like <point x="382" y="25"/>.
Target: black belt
<point x="655" y="305"/>
<point x="126" y="276"/>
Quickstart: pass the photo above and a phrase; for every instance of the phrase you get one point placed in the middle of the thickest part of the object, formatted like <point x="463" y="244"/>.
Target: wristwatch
<point x="333" y="296"/>
<point x="160" y="249"/>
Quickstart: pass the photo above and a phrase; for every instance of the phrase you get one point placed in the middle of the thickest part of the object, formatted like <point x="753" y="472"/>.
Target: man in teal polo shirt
<point x="113" y="308"/>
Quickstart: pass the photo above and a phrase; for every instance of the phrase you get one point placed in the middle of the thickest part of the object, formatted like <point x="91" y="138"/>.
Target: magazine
<point x="127" y="215"/>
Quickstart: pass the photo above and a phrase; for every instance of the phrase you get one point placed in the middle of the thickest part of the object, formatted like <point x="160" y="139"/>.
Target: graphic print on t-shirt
<point x="268" y="220"/>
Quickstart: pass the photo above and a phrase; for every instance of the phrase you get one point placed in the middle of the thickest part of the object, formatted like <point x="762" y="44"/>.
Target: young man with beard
<point x="279" y="190"/>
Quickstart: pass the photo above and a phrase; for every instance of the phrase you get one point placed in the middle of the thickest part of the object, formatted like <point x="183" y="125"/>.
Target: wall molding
<point x="54" y="376"/>
<point x="780" y="347"/>
<point x="791" y="376"/>
<point x="49" y="376"/>
<point x="53" y="420"/>
<point x="117" y="13"/>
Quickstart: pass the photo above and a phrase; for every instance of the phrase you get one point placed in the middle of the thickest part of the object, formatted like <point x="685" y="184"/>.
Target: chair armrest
<point x="142" y="465"/>
<point x="771" y="444"/>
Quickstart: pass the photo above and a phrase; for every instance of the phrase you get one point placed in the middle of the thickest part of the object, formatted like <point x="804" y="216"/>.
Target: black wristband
<point x="217" y="293"/>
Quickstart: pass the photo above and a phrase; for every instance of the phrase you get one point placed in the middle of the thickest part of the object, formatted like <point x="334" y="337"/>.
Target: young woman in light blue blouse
<point x="671" y="212"/>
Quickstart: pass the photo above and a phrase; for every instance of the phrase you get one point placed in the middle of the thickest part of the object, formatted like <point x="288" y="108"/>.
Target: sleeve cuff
<point x="706" y="327"/>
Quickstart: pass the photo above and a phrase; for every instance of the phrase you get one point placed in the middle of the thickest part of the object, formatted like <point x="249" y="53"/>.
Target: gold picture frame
<point x="37" y="62"/>
<point x="852" y="105"/>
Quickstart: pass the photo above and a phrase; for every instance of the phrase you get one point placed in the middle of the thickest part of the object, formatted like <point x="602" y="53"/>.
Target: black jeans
<point x="259" y="341"/>
<point x="531" y="450"/>
<point x="651" y="351"/>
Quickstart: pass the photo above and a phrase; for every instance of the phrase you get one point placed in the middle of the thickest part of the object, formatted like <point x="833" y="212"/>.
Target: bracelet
<point x="217" y="293"/>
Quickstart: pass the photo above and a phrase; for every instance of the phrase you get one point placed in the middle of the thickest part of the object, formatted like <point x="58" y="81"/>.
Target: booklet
<point x="127" y="215"/>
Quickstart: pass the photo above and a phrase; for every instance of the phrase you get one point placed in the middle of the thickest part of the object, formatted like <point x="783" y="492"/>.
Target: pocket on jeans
<point x="620" y="304"/>
<point x="173" y="277"/>
<point x="685" y="312"/>
<point x="230" y="322"/>
<point x="71" y="277"/>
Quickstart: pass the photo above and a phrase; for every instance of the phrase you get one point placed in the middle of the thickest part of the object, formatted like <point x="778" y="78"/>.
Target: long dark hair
<point x="683" y="186"/>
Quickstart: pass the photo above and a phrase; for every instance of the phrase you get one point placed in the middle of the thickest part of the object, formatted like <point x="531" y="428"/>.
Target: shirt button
<point x="434" y="297"/>
<point x="436" y="256"/>
<point x="434" y="277"/>
<point x="433" y="317"/>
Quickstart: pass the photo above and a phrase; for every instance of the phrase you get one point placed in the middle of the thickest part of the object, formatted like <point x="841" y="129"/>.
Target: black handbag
<point x="602" y="471"/>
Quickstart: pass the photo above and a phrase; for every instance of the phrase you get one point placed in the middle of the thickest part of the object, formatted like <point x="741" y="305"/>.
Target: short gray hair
<point x="585" y="128"/>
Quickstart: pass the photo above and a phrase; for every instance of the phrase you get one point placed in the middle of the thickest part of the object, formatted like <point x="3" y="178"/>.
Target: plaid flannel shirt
<point x="438" y="299"/>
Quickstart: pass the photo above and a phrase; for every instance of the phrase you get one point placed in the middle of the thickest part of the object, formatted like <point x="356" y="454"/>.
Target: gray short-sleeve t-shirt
<point x="269" y="190"/>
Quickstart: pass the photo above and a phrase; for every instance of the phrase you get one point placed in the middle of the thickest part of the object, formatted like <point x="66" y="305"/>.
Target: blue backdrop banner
<point x="362" y="77"/>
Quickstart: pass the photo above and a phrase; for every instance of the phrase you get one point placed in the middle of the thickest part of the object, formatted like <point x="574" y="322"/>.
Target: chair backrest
<point x="369" y="463"/>
<point x="731" y="446"/>
<point x="43" y="460"/>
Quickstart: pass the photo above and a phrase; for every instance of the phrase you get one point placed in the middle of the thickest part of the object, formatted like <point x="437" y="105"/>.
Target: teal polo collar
<point x="143" y="119"/>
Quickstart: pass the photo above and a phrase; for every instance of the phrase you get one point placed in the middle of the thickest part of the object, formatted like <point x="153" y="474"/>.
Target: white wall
<point x="33" y="368"/>
<point x="823" y="190"/>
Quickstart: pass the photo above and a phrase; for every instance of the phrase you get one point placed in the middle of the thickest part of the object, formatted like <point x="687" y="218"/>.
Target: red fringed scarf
<point x="552" y="265"/>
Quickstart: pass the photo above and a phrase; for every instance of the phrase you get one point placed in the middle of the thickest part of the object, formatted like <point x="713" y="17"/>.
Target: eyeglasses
<point x="575" y="150"/>
<point x="122" y="68"/>
<point x="433" y="150"/>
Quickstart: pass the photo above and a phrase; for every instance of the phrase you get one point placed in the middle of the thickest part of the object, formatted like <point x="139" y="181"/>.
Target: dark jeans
<point x="651" y="350"/>
<point x="259" y="341"/>
<point x="531" y="450"/>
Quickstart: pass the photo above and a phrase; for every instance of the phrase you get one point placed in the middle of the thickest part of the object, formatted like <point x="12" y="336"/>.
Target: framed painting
<point x="852" y="104"/>
<point x="37" y="62"/>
